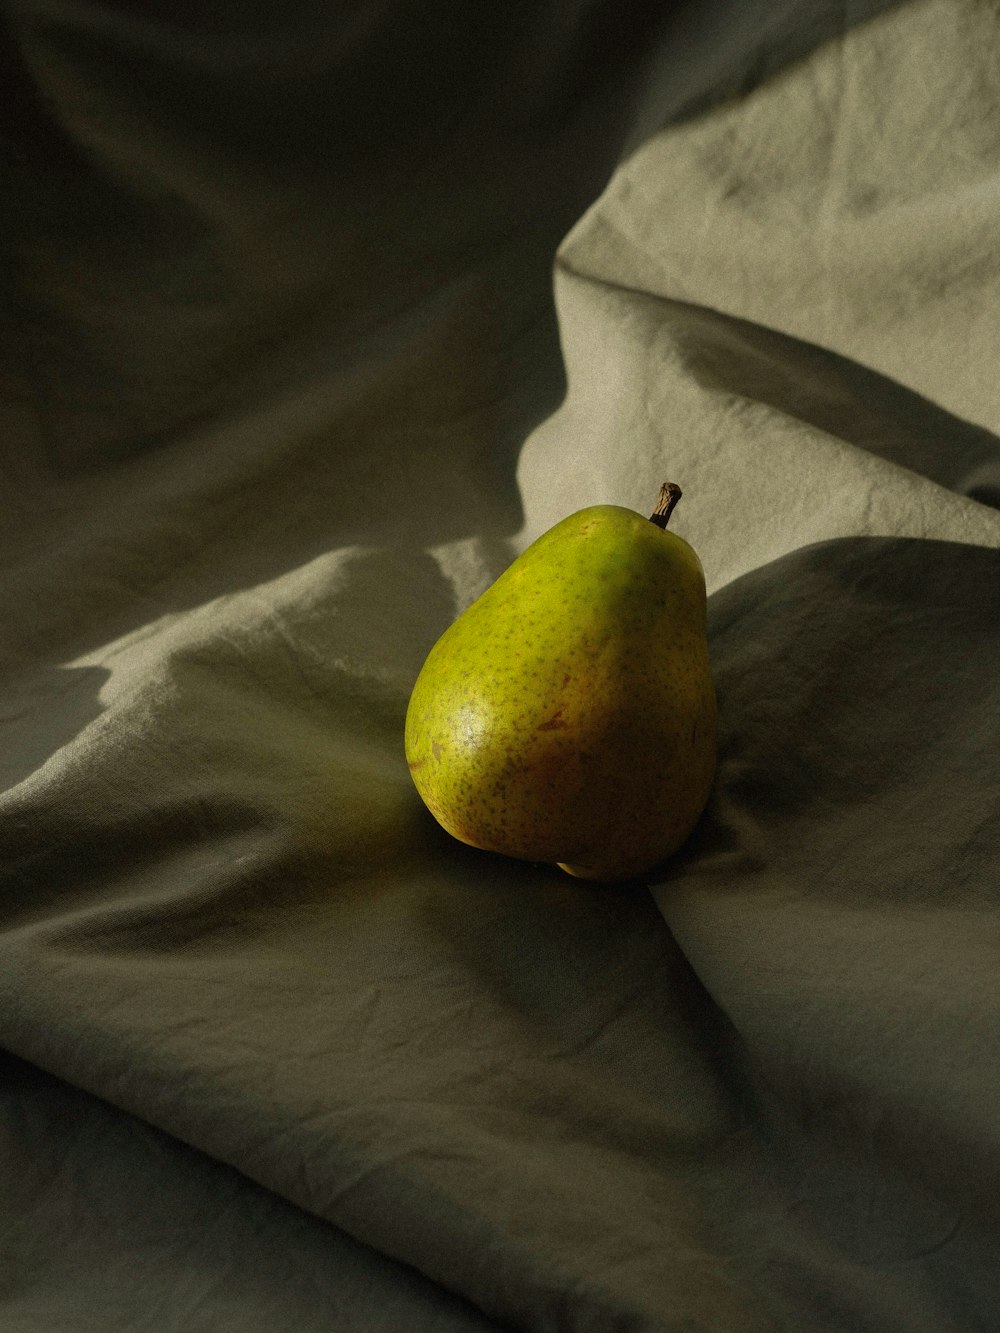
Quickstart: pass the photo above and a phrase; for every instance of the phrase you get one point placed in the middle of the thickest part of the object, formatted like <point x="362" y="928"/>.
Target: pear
<point x="568" y="716"/>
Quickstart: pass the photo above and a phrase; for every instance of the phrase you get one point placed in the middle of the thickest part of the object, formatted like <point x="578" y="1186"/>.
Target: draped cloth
<point x="313" y="318"/>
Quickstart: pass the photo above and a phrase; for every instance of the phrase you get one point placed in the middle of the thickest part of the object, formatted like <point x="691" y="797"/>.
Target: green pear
<point x="569" y="716"/>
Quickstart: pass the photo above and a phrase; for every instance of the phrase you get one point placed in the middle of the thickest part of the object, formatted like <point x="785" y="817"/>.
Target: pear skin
<point x="568" y="716"/>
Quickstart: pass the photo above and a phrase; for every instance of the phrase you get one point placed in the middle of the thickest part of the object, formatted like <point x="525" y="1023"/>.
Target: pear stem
<point x="670" y="493"/>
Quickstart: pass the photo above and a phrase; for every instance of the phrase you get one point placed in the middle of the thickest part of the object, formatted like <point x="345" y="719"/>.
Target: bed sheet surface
<point x="313" y="319"/>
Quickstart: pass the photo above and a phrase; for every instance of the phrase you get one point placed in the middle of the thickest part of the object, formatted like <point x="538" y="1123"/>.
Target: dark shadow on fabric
<point x="839" y="396"/>
<point x="333" y="143"/>
<point x="595" y="974"/>
<point x="858" y="695"/>
<point x="828" y="1139"/>
<point x="836" y="902"/>
<point x="39" y="717"/>
<point x="710" y="53"/>
<point x="160" y="322"/>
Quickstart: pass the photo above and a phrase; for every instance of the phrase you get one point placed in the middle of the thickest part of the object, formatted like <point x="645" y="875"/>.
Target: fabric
<point x="313" y="318"/>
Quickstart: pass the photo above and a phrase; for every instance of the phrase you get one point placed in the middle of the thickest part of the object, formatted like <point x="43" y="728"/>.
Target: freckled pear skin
<point x="569" y="716"/>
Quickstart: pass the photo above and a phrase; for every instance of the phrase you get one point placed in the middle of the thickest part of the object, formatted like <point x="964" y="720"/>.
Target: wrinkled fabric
<point x="312" y="321"/>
